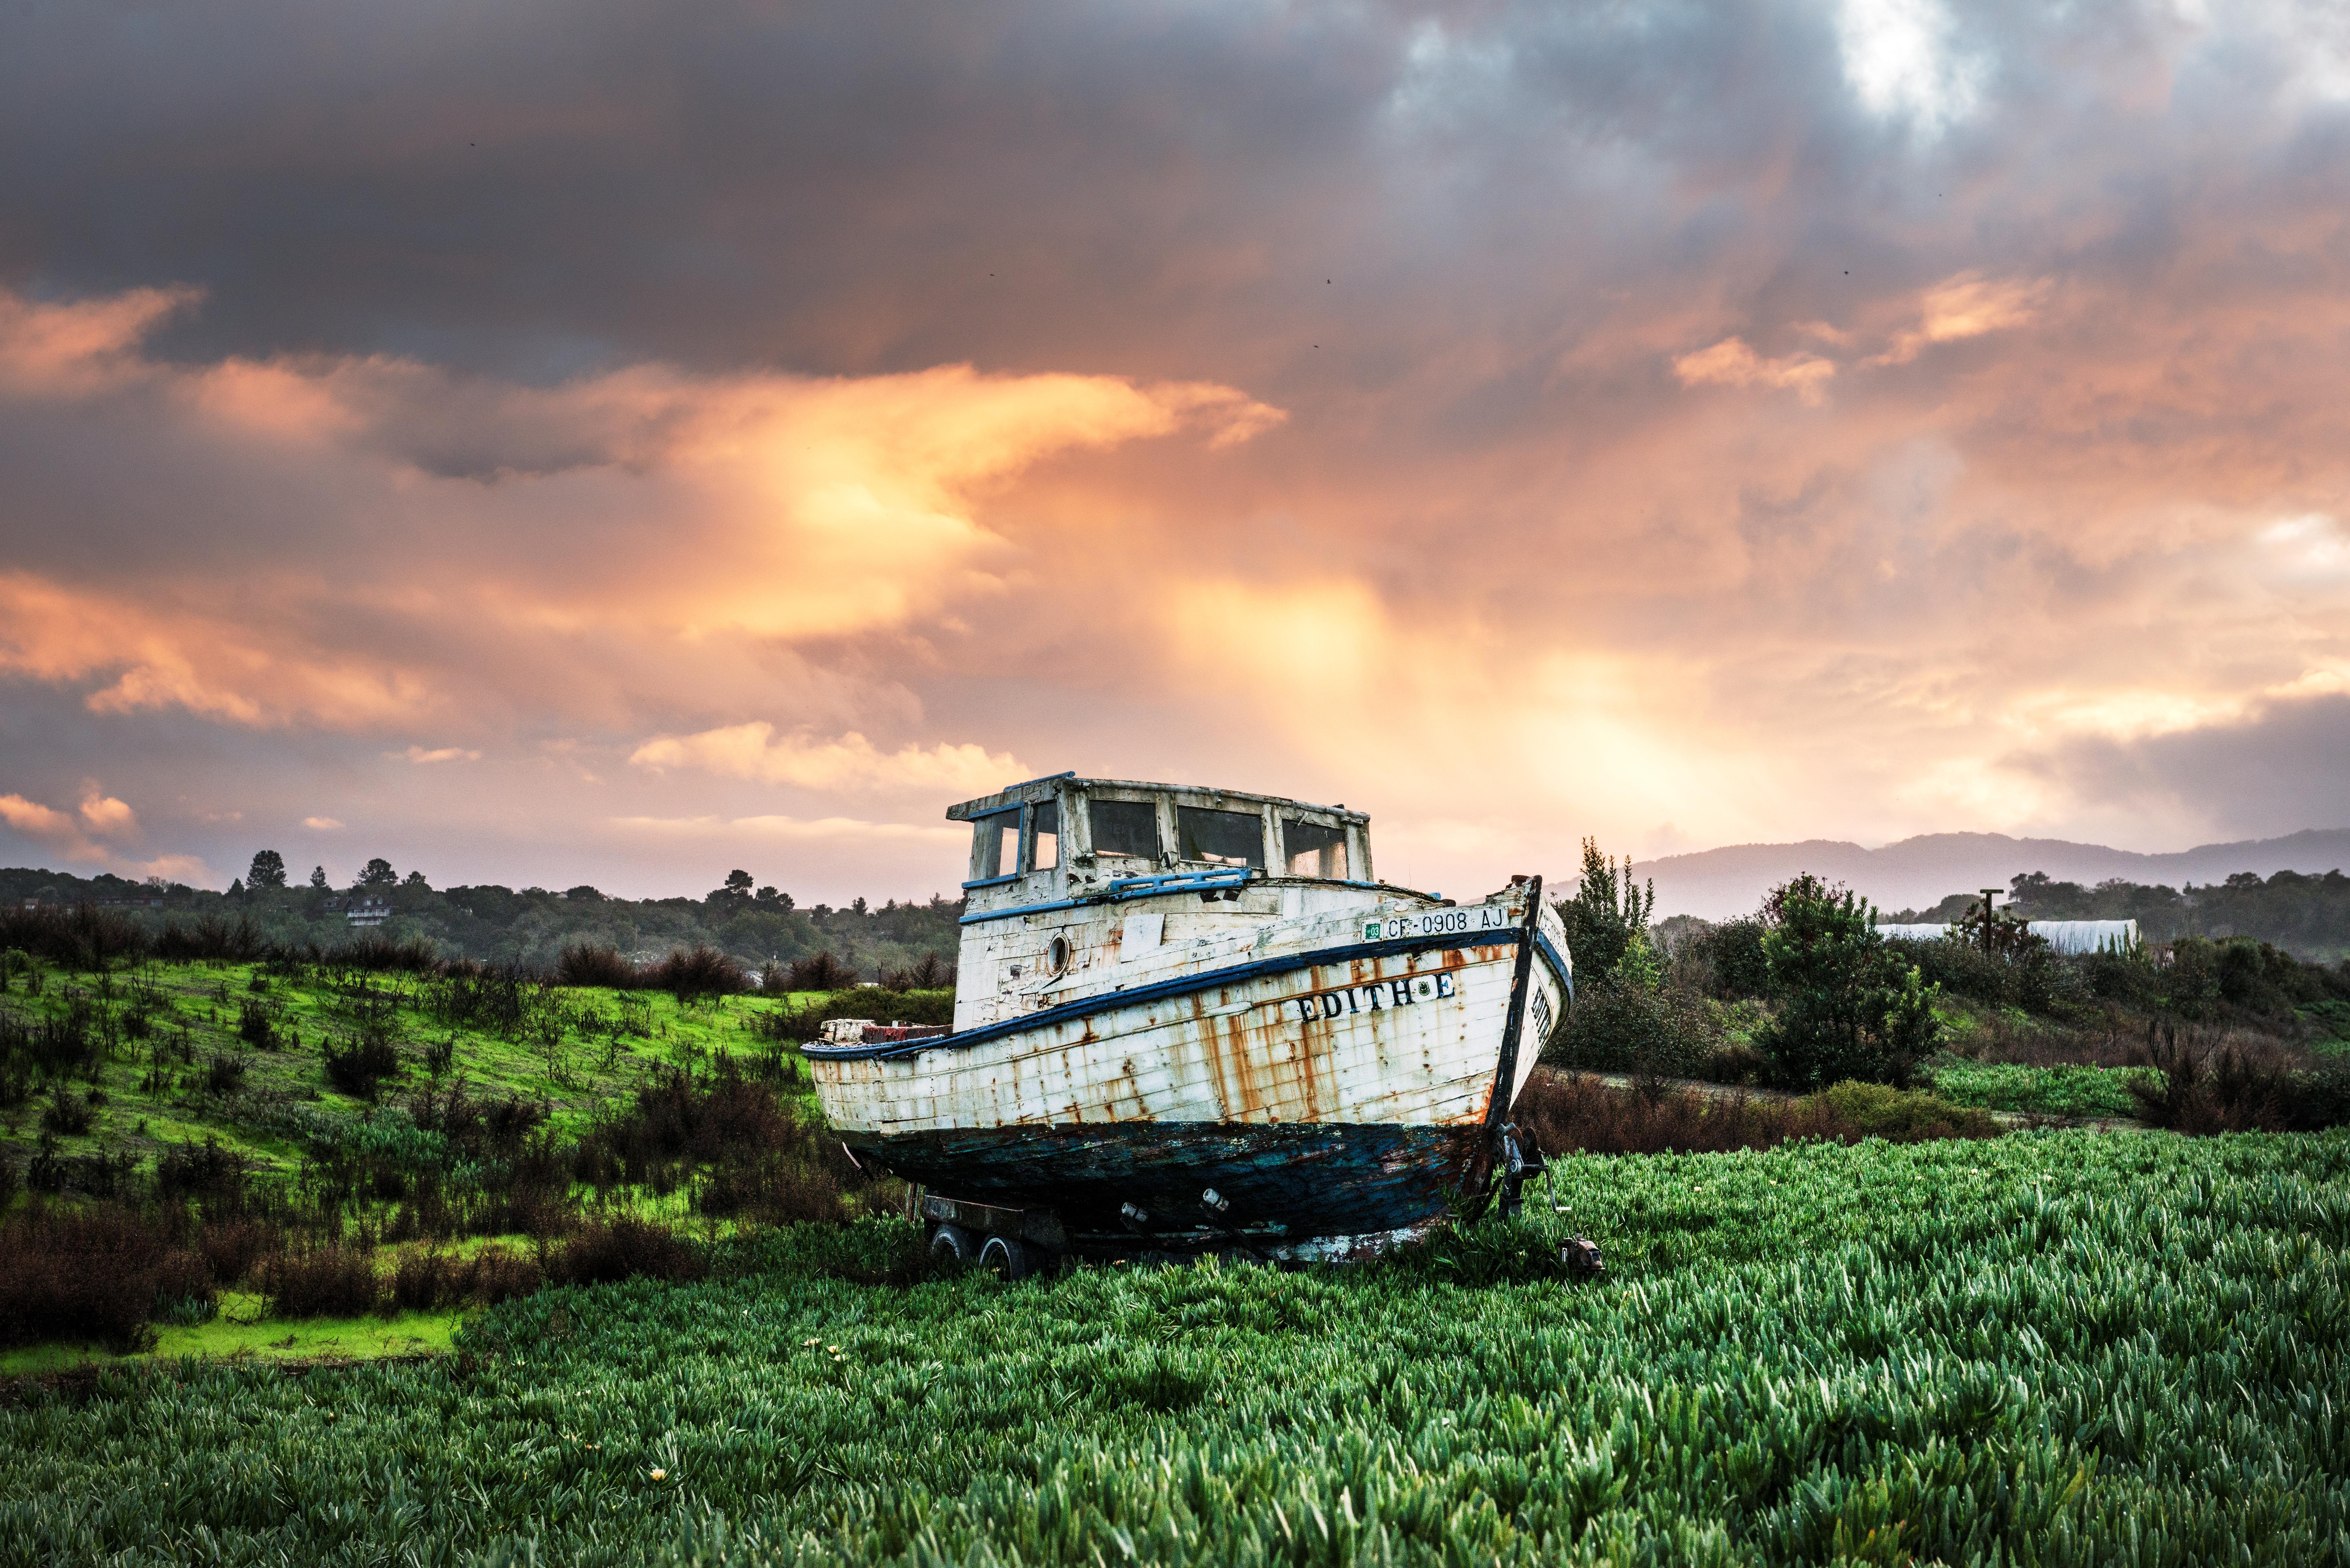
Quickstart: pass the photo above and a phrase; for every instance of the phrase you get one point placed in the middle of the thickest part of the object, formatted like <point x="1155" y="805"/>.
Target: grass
<point x="241" y="1332"/>
<point x="578" y="1107"/>
<point x="155" y="1090"/>
<point x="2056" y="1091"/>
<point x="2054" y="1347"/>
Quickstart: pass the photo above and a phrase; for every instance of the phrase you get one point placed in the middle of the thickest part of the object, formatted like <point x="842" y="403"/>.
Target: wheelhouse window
<point x="1045" y="835"/>
<point x="1125" y="827"/>
<point x="1221" y="837"/>
<point x="995" y="847"/>
<point x="1313" y="849"/>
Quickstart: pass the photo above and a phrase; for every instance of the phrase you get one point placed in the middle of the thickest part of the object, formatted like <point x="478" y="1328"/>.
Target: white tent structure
<point x="2064" y="935"/>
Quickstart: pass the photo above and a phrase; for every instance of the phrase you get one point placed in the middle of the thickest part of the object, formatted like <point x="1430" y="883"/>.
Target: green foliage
<point x="1607" y="914"/>
<point x="268" y="871"/>
<point x="2062" y="1348"/>
<point x="529" y="929"/>
<point x="1731" y="959"/>
<point x="1625" y="1023"/>
<point x="1879" y="1110"/>
<point x="2055" y="1091"/>
<point x="1847" y="1009"/>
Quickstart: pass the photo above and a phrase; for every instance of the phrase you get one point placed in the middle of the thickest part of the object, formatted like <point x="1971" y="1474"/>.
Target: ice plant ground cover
<point x="2052" y="1347"/>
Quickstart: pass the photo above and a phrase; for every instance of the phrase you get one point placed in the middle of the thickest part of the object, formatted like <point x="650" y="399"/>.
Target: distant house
<point x="369" y="911"/>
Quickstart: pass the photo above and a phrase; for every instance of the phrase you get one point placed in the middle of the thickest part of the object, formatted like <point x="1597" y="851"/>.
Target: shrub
<point x="79" y="937"/>
<point x="1904" y="1115"/>
<point x="601" y="1253"/>
<point x="1847" y="1008"/>
<point x="254" y="1024"/>
<point x="691" y="973"/>
<point x="778" y="1190"/>
<point x="67" y="1114"/>
<point x="819" y="971"/>
<point x="595" y="963"/>
<point x="2205" y="1082"/>
<point x="2125" y="977"/>
<point x="233" y="1248"/>
<point x="1618" y="1026"/>
<point x="1727" y="959"/>
<point x="929" y="972"/>
<point x="91" y="1275"/>
<point x="1735" y="1062"/>
<point x="50" y="1047"/>
<point x="1959" y="968"/>
<point x="1571" y="1112"/>
<point x="324" y="1282"/>
<point x="359" y="1068"/>
<point x="433" y="1278"/>
<point x="188" y="1170"/>
<point x="210" y="939"/>
<point x="223" y="1074"/>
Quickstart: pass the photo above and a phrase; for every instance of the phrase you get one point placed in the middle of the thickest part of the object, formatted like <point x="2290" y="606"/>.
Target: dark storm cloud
<point x="2282" y="768"/>
<point x="538" y="188"/>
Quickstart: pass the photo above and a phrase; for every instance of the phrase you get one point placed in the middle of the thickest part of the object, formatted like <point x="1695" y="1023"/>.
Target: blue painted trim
<point x="993" y="881"/>
<point x="1177" y="882"/>
<point x="1117" y="892"/>
<point x="1110" y="1001"/>
<point x="1556" y="960"/>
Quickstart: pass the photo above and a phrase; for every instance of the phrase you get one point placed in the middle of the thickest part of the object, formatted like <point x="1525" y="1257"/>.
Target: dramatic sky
<point x="618" y="443"/>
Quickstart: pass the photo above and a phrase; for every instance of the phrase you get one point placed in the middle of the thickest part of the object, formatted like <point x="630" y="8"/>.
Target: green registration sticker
<point x="1370" y="931"/>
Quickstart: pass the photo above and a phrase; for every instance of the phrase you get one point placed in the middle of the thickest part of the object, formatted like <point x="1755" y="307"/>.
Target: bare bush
<point x="597" y="964"/>
<point x="693" y="973"/>
<point x="322" y="1281"/>
<point x="1569" y="1112"/>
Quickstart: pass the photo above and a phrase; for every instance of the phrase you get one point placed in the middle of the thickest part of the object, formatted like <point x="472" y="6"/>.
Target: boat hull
<point x="1346" y="1078"/>
<point x="1144" y="1183"/>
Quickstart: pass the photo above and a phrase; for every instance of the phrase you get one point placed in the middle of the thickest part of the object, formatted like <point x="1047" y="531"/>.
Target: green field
<point x="571" y="1049"/>
<point x="2060" y="1347"/>
<point x="2059" y="1090"/>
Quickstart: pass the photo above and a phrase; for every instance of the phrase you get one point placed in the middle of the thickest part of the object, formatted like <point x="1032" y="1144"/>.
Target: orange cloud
<point x="648" y="510"/>
<point x="1731" y="363"/>
<point x="104" y="814"/>
<point x="1967" y="305"/>
<point x="78" y="835"/>
<point x="852" y="763"/>
<point x="71" y="350"/>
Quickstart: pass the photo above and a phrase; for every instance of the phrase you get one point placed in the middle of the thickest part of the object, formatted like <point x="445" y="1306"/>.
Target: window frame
<point x="1343" y="843"/>
<point x="1260" y="866"/>
<point x="1020" y="853"/>
<point x="1028" y="814"/>
<point x="1154" y="804"/>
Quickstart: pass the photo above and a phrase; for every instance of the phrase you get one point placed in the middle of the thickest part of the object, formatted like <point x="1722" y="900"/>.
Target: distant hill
<point x="1717" y="883"/>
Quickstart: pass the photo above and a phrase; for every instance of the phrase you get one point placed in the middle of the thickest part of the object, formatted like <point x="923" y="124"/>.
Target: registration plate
<point x="1440" y="923"/>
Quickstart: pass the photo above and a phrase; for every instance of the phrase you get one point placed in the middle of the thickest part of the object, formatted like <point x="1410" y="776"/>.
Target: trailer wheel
<point x="1011" y="1259"/>
<point x="954" y="1244"/>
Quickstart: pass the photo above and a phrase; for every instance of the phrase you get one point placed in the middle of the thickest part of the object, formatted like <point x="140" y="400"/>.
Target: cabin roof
<point x="1052" y="784"/>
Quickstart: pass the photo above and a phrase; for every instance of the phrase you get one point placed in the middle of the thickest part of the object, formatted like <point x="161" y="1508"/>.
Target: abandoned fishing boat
<point x="1193" y="1020"/>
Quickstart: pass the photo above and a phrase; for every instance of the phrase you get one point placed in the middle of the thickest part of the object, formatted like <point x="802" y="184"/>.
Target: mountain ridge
<point x="1918" y="871"/>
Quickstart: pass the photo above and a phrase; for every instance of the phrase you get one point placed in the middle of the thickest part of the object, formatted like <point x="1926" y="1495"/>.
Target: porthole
<point x="1057" y="957"/>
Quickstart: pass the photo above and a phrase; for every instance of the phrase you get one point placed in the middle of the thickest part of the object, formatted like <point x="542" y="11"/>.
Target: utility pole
<point x="1989" y="894"/>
